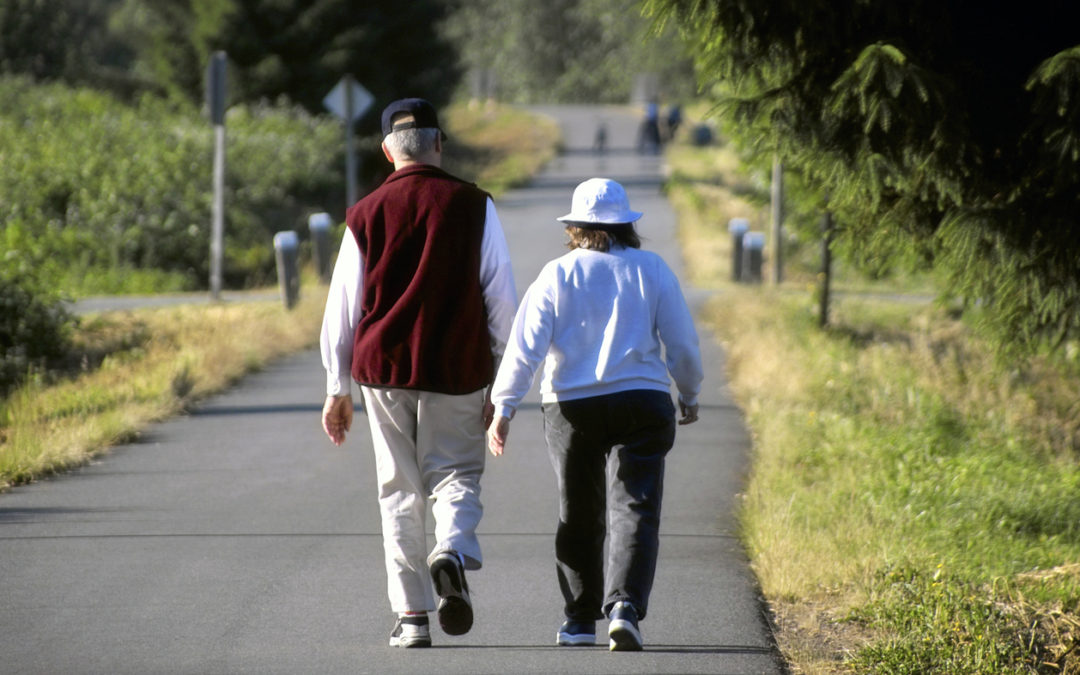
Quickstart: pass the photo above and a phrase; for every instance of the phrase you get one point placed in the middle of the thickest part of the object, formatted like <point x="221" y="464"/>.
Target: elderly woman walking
<point x="611" y="326"/>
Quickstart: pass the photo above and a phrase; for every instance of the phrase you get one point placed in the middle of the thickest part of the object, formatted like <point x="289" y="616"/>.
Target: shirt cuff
<point x="338" y="385"/>
<point x="503" y="410"/>
<point x="688" y="400"/>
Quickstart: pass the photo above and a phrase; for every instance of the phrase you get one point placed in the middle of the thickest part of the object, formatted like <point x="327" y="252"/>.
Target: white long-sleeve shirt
<point x="601" y="322"/>
<point x="342" y="313"/>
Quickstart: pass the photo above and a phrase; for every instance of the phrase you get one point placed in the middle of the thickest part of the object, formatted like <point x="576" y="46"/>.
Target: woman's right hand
<point x="497" y="433"/>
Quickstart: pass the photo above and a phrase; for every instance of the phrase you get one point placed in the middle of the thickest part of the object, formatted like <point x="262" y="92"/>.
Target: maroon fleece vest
<point x="423" y="324"/>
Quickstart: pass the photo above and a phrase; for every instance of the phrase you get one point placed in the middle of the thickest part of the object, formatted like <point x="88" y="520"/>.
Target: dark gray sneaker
<point x="455" y="608"/>
<point x="411" y="631"/>
<point x="623" y="632"/>
<point x="576" y="633"/>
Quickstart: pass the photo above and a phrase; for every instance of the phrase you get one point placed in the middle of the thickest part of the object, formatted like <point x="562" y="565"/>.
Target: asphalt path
<point x="237" y="539"/>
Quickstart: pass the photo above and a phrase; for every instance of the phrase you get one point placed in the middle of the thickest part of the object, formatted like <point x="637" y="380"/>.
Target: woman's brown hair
<point x="601" y="240"/>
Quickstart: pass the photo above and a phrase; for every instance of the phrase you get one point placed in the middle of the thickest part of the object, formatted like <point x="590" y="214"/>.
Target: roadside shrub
<point x="34" y="325"/>
<point x="94" y="184"/>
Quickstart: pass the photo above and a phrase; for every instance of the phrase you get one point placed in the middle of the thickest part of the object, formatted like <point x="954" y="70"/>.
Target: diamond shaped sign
<point x="360" y="99"/>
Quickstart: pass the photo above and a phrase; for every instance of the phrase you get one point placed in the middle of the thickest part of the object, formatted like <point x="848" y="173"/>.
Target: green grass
<point x="913" y="505"/>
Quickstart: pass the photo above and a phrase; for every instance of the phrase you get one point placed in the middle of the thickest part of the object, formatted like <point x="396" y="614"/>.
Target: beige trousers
<point x="427" y="446"/>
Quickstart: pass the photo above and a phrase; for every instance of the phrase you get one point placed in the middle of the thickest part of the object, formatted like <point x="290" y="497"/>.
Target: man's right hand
<point x="337" y="417"/>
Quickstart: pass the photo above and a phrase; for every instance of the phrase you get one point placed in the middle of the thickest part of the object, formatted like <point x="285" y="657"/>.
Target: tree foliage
<point x="102" y="192"/>
<point x="68" y="40"/>
<point x="570" y="51"/>
<point x="302" y="49"/>
<point x="297" y="49"/>
<point x="949" y="129"/>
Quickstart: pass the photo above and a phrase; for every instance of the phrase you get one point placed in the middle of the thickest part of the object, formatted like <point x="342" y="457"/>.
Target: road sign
<point x="349" y="100"/>
<point x="215" y="87"/>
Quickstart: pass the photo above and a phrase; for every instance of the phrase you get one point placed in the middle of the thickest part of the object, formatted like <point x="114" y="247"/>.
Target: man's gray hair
<point x="411" y="143"/>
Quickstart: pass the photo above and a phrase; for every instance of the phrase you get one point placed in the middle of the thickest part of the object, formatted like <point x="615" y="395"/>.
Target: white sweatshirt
<point x="600" y="322"/>
<point x="342" y="313"/>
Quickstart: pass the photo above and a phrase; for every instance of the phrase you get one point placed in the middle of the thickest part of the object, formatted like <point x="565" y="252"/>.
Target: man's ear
<point x="386" y="151"/>
<point x="438" y="143"/>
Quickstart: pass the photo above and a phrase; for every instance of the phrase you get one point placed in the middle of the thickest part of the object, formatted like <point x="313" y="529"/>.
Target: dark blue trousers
<point x="608" y="453"/>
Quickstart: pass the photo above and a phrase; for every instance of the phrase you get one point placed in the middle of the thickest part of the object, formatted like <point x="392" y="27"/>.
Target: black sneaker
<point x="455" y="608"/>
<point x="576" y="633"/>
<point x="623" y="630"/>
<point x="411" y="631"/>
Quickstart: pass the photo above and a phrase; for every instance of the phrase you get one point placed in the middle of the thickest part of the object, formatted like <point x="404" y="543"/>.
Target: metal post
<point x="753" y="252"/>
<point x="319" y="225"/>
<point x="286" y="250"/>
<point x="216" y="100"/>
<point x="737" y="227"/>
<point x="350" y="147"/>
<point x="777" y="219"/>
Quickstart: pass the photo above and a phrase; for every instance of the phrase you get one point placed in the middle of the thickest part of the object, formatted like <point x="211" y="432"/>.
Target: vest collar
<point x="416" y="170"/>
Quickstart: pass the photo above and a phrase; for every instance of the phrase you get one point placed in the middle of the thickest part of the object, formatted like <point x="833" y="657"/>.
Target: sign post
<point x="215" y="94"/>
<point x="349" y="100"/>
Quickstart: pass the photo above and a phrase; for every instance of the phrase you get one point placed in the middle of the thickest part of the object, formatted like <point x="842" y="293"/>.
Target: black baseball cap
<point x="423" y="116"/>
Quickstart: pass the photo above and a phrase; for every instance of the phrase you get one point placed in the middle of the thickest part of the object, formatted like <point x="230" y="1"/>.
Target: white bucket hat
<point x="600" y="201"/>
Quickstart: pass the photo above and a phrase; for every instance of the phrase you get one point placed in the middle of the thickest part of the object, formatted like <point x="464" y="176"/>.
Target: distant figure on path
<point x="610" y="324"/>
<point x="674" y="120"/>
<point x="419" y="308"/>
<point x="649" y="132"/>
<point x="600" y="138"/>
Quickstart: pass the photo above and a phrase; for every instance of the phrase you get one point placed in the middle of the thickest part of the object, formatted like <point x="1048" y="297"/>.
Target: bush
<point x="93" y="184"/>
<point x="34" y="325"/>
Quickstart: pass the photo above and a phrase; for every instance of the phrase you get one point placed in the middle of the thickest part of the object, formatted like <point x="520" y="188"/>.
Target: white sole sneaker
<point x="409" y="635"/>
<point x="455" y="608"/>
<point x="575" y="639"/>
<point x="623" y="632"/>
<point x="623" y="637"/>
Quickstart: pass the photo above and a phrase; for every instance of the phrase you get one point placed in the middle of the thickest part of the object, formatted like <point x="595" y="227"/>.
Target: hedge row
<point x="109" y="197"/>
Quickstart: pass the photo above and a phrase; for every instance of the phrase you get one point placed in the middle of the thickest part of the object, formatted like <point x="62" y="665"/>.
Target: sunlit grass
<point x="161" y="361"/>
<point x="497" y="146"/>
<point x="913" y="505"/>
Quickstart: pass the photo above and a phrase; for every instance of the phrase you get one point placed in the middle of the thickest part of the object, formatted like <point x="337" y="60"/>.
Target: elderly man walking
<point x="419" y="309"/>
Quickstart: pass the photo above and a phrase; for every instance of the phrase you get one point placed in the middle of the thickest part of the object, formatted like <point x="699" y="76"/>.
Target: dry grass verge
<point x="912" y="505"/>
<point x="152" y="364"/>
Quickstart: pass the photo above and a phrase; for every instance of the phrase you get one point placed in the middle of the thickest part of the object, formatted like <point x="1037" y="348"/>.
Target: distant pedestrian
<point x="419" y="308"/>
<point x="610" y="324"/>
<point x="600" y="138"/>
<point x="649" y="131"/>
<point x="674" y="120"/>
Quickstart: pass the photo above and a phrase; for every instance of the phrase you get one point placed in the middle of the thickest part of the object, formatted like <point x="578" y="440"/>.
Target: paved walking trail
<point x="237" y="539"/>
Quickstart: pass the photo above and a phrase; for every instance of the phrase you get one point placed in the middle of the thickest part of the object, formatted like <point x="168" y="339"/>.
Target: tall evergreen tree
<point x="949" y="127"/>
<point x="67" y="40"/>
<point x="301" y="49"/>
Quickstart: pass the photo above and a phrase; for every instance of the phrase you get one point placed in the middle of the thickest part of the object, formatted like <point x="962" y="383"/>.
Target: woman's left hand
<point x="689" y="413"/>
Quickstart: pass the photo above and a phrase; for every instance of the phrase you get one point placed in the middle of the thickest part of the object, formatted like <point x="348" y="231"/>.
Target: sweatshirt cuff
<point x="503" y="410"/>
<point x="338" y="385"/>
<point x="688" y="400"/>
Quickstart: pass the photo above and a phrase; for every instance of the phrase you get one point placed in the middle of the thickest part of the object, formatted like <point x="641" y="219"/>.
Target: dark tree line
<point x="296" y="50"/>
<point x="946" y="131"/>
